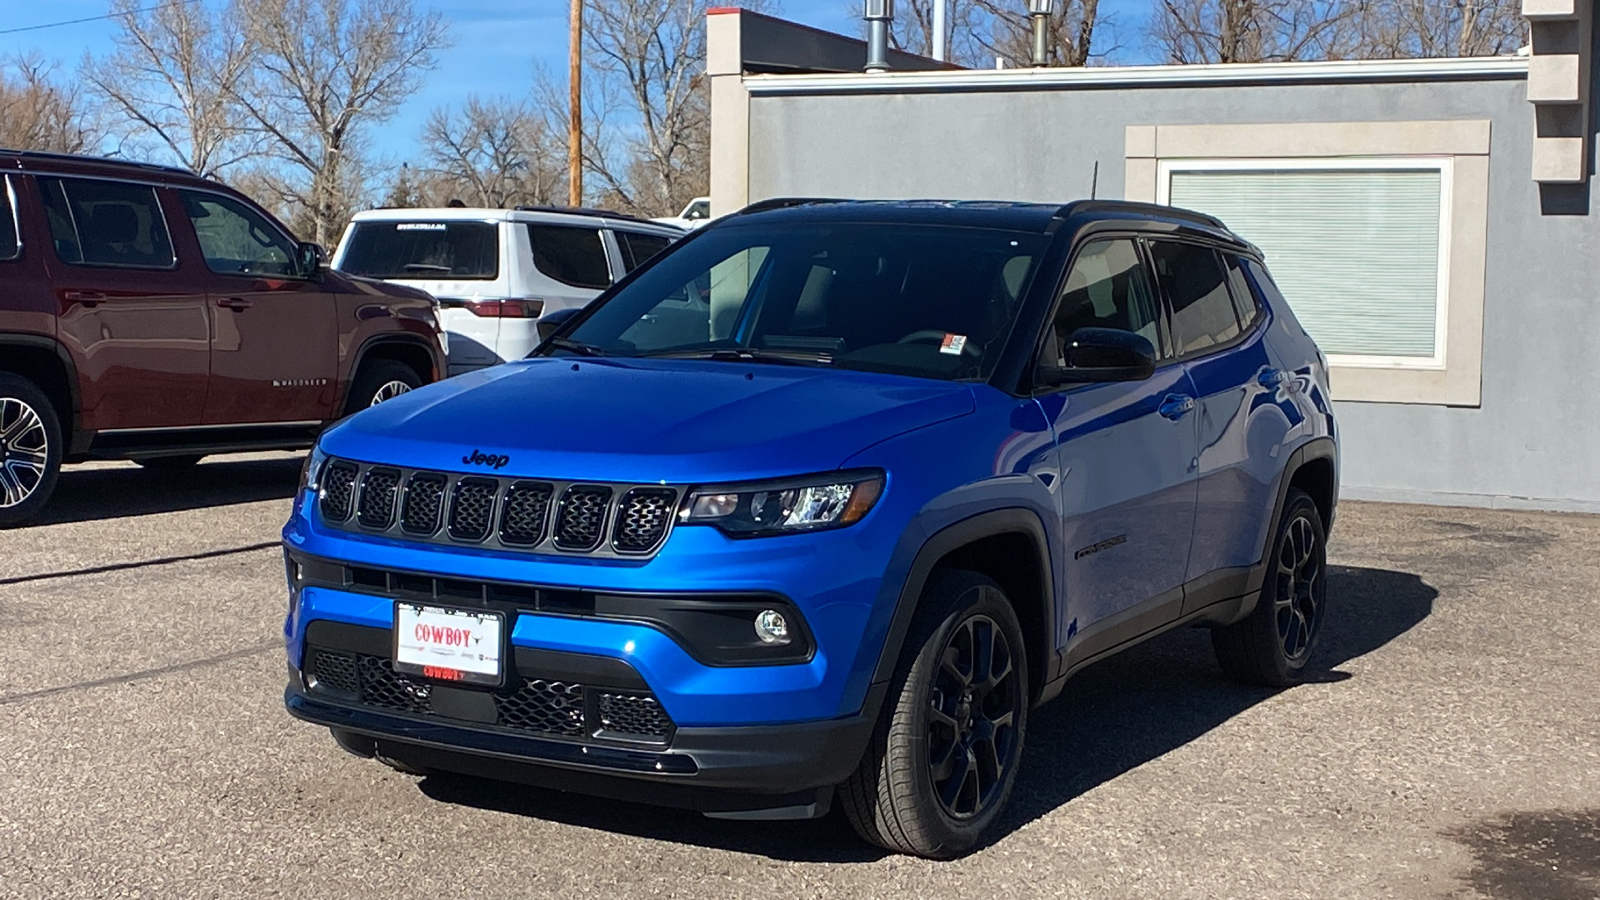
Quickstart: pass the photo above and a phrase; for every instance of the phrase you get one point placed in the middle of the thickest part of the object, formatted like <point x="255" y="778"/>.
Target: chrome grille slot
<point x="642" y="519"/>
<point x="376" y="507"/>
<point x="338" y="490"/>
<point x="419" y="514"/>
<point x="472" y="508"/>
<point x="581" y="517"/>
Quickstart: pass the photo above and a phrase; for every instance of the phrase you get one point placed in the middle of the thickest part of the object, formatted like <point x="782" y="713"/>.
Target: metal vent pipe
<point x="878" y="13"/>
<point x="1039" y="11"/>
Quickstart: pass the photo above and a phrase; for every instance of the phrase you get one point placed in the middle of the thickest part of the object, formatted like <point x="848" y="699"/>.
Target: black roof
<point x="83" y="159"/>
<point x="981" y="213"/>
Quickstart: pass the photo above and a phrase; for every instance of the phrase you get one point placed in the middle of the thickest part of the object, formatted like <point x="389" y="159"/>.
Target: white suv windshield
<point x="452" y="251"/>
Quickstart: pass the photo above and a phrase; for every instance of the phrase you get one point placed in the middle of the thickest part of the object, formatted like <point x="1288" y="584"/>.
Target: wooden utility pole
<point x="575" y="108"/>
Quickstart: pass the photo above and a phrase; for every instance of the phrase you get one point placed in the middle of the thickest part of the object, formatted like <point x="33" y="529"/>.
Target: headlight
<point x="784" y="507"/>
<point x="312" y="470"/>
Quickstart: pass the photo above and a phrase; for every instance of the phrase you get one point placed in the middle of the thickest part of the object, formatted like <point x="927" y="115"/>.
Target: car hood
<point x="677" y="421"/>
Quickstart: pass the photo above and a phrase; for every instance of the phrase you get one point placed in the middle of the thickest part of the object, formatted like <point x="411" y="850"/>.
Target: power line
<point x="115" y="15"/>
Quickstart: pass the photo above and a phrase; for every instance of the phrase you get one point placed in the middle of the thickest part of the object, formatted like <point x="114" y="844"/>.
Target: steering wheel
<point x="935" y="336"/>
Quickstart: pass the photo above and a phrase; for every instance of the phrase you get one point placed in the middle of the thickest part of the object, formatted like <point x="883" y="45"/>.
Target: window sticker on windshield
<point x="421" y="226"/>
<point x="952" y="344"/>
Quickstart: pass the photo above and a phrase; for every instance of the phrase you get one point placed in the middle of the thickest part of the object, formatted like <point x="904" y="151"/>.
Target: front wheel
<point x="30" y="450"/>
<point x="943" y="759"/>
<point x="1272" y="645"/>
<point x="380" y="381"/>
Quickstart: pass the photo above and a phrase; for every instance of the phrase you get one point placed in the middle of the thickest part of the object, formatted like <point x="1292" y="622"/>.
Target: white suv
<point x="496" y="271"/>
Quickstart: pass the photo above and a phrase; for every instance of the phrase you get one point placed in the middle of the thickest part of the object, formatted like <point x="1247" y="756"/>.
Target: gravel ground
<point x="1449" y="746"/>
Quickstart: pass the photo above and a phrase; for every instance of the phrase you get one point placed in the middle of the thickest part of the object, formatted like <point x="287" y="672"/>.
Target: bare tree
<point x="322" y="71"/>
<point x="173" y="77"/>
<point x="38" y="113"/>
<point x="494" y="153"/>
<point x="1435" y="28"/>
<point x="1228" y="31"/>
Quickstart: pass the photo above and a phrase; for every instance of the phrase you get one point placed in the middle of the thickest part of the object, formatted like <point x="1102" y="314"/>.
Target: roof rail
<point x="87" y="157"/>
<point x="584" y="211"/>
<point x="785" y="203"/>
<point x="1143" y="209"/>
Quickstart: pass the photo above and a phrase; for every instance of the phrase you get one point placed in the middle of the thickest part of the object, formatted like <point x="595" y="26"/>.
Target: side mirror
<point x="312" y="258"/>
<point x="551" y="322"/>
<point x="1103" y="354"/>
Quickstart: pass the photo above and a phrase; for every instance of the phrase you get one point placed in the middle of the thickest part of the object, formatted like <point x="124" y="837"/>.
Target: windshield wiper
<point x="425" y="267"/>
<point x="578" y="347"/>
<point x="746" y="354"/>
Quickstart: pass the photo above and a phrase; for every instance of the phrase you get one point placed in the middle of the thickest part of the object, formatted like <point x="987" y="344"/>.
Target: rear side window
<point x="638" y="247"/>
<point x="571" y="255"/>
<point x="10" y="247"/>
<point x="1203" y="314"/>
<point x="444" y="251"/>
<point x="106" y="223"/>
<point x="1244" y="301"/>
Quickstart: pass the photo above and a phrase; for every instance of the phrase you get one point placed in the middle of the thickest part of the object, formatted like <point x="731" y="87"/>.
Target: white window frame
<point x="1444" y="165"/>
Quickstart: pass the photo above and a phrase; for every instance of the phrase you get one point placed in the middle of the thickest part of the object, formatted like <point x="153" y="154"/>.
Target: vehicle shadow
<point x="1112" y="718"/>
<point x="93" y="494"/>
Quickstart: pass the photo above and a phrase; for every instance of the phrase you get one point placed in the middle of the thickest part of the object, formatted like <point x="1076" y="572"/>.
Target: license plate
<point x="448" y="644"/>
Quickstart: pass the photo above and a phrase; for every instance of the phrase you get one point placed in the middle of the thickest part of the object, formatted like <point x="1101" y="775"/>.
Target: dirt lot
<point x="1448" y="748"/>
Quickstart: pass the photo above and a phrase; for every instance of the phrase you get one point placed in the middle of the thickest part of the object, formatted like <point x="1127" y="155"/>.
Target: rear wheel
<point x="378" y="381"/>
<point x="1273" y="644"/>
<point x="30" y="450"/>
<point x="944" y="758"/>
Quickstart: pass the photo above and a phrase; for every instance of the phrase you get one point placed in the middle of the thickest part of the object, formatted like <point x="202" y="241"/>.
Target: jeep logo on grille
<point x="479" y="458"/>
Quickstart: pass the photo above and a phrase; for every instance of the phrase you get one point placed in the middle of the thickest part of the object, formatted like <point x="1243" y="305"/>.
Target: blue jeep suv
<point x="816" y="506"/>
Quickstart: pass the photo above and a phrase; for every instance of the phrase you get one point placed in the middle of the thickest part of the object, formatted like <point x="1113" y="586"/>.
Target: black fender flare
<point x="1314" y="449"/>
<point x="44" y="342"/>
<point x="1010" y="520"/>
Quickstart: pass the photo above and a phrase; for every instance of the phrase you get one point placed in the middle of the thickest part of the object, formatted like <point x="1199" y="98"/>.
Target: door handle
<point x="1176" y="406"/>
<point x="87" y="298"/>
<point x="234" y="303"/>
<point x="1270" y="378"/>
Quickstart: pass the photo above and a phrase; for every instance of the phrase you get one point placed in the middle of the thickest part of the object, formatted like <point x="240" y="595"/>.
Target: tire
<point x="166" y="465"/>
<point x="380" y="380"/>
<point x="896" y="798"/>
<point x="1273" y="644"/>
<point x="30" y="450"/>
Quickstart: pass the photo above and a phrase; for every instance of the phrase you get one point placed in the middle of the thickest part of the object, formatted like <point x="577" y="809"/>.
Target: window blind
<point x="1355" y="251"/>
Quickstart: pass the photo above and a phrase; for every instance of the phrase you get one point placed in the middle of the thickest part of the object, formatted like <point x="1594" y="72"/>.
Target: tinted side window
<point x="106" y="223"/>
<point x="1107" y="287"/>
<point x="10" y="248"/>
<point x="571" y="255"/>
<point x="638" y="247"/>
<point x="1202" y="309"/>
<point x="1244" y="302"/>
<point x="235" y="239"/>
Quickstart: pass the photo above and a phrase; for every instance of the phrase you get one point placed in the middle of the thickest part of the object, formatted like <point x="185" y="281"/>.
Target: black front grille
<point x="581" y="519"/>
<point x="376" y="509"/>
<point x="424" y="501"/>
<point x="524" y="511"/>
<point x="619" y="521"/>
<point x="338" y="490"/>
<point x="472" y="508"/>
<point x="531" y="705"/>
<point x="642" y="519"/>
<point x="633" y="714"/>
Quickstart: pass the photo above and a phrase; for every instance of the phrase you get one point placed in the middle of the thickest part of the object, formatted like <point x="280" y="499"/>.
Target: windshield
<point x="929" y="301"/>
<point x="451" y="251"/>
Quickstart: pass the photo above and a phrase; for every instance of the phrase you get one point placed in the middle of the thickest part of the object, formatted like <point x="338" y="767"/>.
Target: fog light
<point x="771" y="627"/>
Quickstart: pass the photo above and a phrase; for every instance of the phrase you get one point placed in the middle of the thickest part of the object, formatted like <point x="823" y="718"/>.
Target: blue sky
<point x="498" y="44"/>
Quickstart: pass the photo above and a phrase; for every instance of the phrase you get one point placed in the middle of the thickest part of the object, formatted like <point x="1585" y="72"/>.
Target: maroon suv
<point x="150" y="314"/>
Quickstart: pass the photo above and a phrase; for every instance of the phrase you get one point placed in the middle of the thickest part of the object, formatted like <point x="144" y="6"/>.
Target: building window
<point x="1359" y="246"/>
